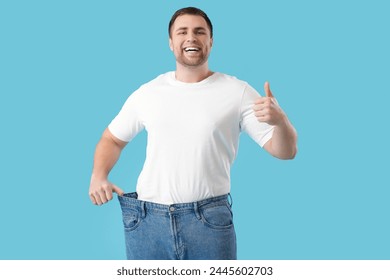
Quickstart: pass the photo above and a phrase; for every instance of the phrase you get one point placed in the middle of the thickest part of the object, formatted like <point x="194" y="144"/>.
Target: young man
<point x="193" y="117"/>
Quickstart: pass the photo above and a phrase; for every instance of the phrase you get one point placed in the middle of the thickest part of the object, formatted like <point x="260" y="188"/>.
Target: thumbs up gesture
<point x="267" y="108"/>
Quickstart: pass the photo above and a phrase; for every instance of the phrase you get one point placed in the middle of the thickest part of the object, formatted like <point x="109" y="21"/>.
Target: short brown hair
<point x="190" y="11"/>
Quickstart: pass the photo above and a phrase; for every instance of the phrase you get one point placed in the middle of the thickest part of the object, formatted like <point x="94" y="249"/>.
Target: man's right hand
<point x="100" y="191"/>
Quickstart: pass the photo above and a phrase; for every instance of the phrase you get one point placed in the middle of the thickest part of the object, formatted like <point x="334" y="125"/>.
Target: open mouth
<point x="191" y="49"/>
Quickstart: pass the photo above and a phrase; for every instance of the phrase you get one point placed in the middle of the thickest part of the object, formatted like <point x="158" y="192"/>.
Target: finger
<point x="117" y="189"/>
<point x="260" y="106"/>
<point x="108" y="193"/>
<point x="97" y="199"/>
<point x="267" y="90"/>
<point x="103" y="196"/>
<point x="261" y="100"/>
<point x="91" y="196"/>
<point x="257" y="107"/>
<point x="263" y="112"/>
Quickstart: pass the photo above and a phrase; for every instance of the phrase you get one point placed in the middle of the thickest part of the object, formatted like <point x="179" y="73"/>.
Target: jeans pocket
<point x="131" y="218"/>
<point x="217" y="216"/>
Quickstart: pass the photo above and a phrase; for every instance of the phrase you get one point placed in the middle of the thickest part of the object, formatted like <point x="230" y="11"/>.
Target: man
<point x="193" y="117"/>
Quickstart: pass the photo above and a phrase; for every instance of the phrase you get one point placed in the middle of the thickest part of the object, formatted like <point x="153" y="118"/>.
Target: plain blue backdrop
<point x="66" y="67"/>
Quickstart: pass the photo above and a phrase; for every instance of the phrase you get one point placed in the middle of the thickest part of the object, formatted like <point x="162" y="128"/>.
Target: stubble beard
<point x="194" y="62"/>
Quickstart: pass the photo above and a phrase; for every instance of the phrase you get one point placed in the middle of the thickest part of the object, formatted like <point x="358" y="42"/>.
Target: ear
<point x="211" y="42"/>
<point x="170" y="44"/>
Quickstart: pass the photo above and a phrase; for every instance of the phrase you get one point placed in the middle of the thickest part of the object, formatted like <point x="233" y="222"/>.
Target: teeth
<point x="191" y="49"/>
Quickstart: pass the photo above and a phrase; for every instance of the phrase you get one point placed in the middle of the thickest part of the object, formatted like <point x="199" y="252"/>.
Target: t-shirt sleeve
<point x="260" y="132"/>
<point x="127" y="124"/>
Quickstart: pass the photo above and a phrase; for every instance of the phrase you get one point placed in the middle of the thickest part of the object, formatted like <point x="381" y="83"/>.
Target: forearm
<point x="106" y="155"/>
<point x="284" y="140"/>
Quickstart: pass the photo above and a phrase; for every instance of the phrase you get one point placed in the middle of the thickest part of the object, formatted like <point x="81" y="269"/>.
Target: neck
<point x="194" y="74"/>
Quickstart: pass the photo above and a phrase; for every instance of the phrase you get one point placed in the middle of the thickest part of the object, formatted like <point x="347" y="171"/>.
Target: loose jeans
<point x="184" y="231"/>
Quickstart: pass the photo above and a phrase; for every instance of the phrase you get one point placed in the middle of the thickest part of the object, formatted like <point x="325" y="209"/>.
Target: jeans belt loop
<point x="196" y="210"/>
<point x="143" y="209"/>
<point x="230" y="201"/>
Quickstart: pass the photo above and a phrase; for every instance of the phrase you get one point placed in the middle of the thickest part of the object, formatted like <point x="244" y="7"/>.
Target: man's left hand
<point x="267" y="108"/>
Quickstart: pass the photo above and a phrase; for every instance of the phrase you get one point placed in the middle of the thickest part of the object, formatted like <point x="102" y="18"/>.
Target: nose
<point x="191" y="37"/>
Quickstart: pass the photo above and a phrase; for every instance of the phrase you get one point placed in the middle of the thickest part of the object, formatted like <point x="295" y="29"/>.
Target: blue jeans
<point x="184" y="231"/>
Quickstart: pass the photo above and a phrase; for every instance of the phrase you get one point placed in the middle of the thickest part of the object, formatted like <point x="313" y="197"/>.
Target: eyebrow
<point x="186" y="28"/>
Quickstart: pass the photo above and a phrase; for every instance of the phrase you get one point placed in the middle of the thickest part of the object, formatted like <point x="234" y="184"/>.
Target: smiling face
<point x="190" y="40"/>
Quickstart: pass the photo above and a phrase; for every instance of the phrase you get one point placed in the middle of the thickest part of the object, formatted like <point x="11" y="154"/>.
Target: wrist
<point x="99" y="177"/>
<point x="283" y="121"/>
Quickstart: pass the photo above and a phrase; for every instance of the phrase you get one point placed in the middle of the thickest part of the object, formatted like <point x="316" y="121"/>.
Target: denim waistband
<point x="131" y="200"/>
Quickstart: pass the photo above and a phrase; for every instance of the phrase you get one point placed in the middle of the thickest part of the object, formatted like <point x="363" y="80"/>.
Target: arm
<point x="283" y="143"/>
<point x="107" y="153"/>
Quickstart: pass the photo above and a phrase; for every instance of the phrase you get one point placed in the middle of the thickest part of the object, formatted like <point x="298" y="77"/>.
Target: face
<point x="190" y="40"/>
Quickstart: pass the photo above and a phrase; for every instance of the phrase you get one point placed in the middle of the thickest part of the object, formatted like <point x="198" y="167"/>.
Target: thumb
<point x="267" y="90"/>
<point x="117" y="189"/>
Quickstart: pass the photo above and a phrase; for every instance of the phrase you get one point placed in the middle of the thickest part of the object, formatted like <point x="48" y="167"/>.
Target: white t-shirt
<point x="192" y="134"/>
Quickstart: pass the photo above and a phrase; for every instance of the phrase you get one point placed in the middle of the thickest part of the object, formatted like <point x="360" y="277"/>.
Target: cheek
<point x="175" y="46"/>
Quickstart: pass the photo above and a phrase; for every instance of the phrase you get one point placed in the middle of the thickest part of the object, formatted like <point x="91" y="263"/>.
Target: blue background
<point x="66" y="67"/>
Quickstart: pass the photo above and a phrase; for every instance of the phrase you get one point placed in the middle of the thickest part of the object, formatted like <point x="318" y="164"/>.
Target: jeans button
<point x="171" y="208"/>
